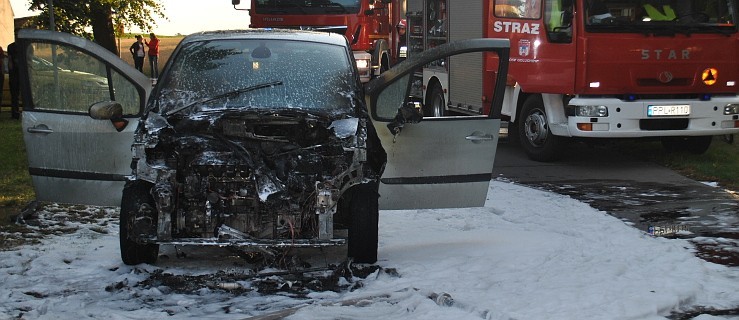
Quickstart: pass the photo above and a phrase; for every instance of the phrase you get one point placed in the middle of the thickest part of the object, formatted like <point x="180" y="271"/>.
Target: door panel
<point x="439" y="162"/>
<point x="433" y="164"/>
<point x="72" y="157"/>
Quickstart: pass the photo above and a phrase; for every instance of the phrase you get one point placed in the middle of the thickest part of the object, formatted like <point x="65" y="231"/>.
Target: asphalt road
<point x="640" y="193"/>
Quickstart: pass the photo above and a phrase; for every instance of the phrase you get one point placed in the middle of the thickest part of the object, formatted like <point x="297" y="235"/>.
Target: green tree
<point x="105" y="18"/>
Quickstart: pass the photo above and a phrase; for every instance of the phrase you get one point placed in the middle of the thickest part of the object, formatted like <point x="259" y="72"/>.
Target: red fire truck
<point x="666" y="69"/>
<point x="589" y="68"/>
<point x="369" y="25"/>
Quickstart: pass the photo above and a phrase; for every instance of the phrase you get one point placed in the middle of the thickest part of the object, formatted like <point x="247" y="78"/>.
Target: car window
<point x="65" y="79"/>
<point x="306" y="75"/>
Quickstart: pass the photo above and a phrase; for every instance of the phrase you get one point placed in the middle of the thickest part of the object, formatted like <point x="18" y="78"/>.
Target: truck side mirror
<point x="235" y="2"/>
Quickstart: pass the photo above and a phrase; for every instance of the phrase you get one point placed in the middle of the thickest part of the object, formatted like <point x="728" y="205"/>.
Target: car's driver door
<point x="72" y="157"/>
<point x="439" y="162"/>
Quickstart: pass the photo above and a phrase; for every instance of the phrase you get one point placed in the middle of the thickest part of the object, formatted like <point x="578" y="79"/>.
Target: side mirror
<point x="236" y="2"/>
<point x="409" y="113"/>
<point x="109" y="110"/>
<point x="567" y="18"/>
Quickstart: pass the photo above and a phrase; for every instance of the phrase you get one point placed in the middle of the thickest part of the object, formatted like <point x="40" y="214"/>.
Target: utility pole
<point x="52" y="26"/>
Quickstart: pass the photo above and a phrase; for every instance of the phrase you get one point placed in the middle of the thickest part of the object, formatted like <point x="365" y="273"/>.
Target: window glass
<point x="524" y="9"/>
<point x="392" y="98"/>
<point x="65" y="79"/>
<point x="261" y="74"/>
<point x="558" y="20"/>
<point x="126" y="94"/>
<point x="638" y="16"/>
<point x="307" y="6"/>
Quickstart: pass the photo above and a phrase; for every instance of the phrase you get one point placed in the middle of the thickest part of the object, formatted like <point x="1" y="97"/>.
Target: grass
<point x="15" y="182"/>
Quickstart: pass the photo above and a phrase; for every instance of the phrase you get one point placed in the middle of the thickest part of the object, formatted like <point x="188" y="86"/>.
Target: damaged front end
<point x="247" y="179"/>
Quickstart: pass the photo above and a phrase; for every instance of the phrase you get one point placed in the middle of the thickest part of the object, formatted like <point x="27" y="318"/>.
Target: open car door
<point x="438" y="162"/>
<point x="80" y="108"/>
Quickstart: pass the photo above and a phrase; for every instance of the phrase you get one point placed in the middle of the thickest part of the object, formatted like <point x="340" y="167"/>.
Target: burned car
<point x="256" y="140"/>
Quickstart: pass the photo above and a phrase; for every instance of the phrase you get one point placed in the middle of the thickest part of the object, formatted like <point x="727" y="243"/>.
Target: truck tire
<point x="136" y="198"/>
<point x="363" y="224"/>
<point x="534" y="134"/>
<point x="694" y="145"/>
<point x="435" y="103"/>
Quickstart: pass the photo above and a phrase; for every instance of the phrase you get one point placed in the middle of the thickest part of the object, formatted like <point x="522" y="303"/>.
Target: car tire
<point x="435" y="103"/>
<point x="694" y="145"/>
<point x="363" y="225"/>
<point x="534" y="134"/>
<point x="136" y="197"/>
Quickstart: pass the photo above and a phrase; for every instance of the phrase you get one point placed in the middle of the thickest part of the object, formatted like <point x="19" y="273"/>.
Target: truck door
<point x="72" y="157"/>
<point x="542" y="46"/>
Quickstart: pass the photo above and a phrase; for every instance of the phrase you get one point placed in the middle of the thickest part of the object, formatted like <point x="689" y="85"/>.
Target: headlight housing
<point x="364" y="65"/>
<point x="731" y="109"/>
<point x="591" y="111"/>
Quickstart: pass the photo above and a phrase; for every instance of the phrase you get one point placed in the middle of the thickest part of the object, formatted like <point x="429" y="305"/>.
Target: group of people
<point x="8" y="63"/>
<point x="142" y="48"/>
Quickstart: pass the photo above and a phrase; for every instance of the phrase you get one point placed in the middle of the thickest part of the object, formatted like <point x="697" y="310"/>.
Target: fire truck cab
<point x="369" y="25"/>
<point x="589" y="68"/>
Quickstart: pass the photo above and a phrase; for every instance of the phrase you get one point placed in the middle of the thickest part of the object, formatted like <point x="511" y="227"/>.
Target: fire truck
<point x="588" y="68"/>
<point x="664" y="69"/>
<point x="369" y="25"/>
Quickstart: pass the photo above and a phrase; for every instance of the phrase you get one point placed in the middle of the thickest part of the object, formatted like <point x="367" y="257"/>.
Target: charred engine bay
<point x="255" y="175"/>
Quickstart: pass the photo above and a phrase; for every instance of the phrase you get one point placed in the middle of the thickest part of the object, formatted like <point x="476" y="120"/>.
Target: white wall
<point x="6" y="24"/>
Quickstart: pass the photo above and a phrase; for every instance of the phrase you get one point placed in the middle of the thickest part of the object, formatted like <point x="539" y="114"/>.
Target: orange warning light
<point x="710" y="76"/>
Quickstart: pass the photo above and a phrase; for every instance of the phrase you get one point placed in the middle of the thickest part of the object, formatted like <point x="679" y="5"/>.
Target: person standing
<point x="402" y="46"/>
<point x="153" y="45"/>
<point x="138" y="52"/>
<point x="14" y="80"/>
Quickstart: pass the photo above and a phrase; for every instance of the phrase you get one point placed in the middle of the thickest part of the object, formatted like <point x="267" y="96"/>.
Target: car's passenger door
<point x="72" y="157"/>
<point x="439" y="162"/>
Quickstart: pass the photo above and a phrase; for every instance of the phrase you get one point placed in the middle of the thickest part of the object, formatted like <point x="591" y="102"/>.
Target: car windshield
<point x="258" y="74"/>
<point x="307" y="6"/>
<point x="677" y="16"/>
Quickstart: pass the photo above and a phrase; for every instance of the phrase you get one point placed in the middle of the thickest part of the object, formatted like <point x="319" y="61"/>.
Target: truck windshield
<point x="661" y="16"/>
<point x="308" y="7"/>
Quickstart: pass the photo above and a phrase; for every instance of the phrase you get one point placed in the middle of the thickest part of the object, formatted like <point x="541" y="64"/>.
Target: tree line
<point x="98" y="20"/>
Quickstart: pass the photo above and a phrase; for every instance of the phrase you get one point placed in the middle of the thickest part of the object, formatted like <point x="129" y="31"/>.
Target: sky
<point x="185" y="16"/>
<point x="527" y="254"/>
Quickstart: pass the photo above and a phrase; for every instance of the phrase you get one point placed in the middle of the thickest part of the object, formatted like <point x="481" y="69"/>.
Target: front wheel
<point x="694" y="145"/>
<point x="435" y="103"/>
<point x="363" y="223"/>
<point x="138" y="215"/>
<point x="534" y="134"/>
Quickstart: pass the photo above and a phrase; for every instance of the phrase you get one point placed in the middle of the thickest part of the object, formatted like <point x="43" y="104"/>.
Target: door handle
<point x="41" y="128"/>
<point x="479" y="137"/>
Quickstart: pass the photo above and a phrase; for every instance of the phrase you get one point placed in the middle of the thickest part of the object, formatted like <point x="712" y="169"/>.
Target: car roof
<point x="274" y="34"/>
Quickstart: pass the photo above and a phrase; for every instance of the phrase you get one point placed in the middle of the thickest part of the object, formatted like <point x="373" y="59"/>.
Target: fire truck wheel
<point x="694" y="145"/>
<point x="533" y="132"/>
<point x="363" y="225"/>
<point x="435" y="102"/>
<point x="136" y="198"/>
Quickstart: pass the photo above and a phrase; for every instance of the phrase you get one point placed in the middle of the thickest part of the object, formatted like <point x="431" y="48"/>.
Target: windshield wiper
<point x="229" y="94"/>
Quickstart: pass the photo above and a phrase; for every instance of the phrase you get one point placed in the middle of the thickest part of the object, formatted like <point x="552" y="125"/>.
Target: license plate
<point x="670" y="110"/>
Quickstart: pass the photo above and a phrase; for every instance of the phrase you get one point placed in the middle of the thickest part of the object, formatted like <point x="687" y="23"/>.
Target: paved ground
<point x="641" y="193"/>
